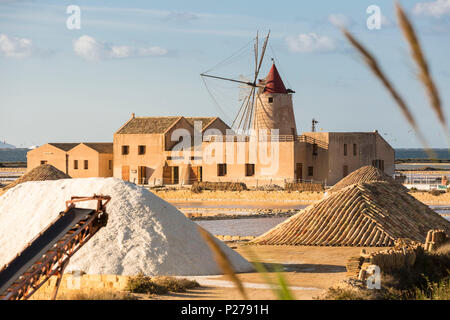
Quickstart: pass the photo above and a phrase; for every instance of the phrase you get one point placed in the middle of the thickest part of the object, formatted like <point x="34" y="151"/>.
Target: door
<point x="175" y="175"/>
<point x="126" y="173"/>
<point x="142" y="175"/>
<point x="170" y="175"/>
<point x="298" y="171"/>
<point x="197" y="172"/>
<point x="167" y="175"/>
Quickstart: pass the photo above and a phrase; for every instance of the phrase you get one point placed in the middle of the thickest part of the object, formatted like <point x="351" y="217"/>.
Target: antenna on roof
<point x="313" y="127"/>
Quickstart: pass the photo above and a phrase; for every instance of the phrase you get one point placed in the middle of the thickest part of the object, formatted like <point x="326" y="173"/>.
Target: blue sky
<point x="145" y="57"/>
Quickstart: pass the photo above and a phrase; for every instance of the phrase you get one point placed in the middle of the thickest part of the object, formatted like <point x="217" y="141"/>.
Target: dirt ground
<point x="308" y="271"/>
<point x="429" y="199"/>
<point x="187" y="195"/>
<point x="278" y="196"/>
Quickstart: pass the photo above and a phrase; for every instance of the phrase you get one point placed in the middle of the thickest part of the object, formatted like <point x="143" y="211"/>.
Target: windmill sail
<point x="244" y="120"/>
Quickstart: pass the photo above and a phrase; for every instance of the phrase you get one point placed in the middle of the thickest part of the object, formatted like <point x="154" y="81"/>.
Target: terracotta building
<point x="147" y="149"/>
<point x="78" y="160"/>
<point x="143" y="148"/>
<point x="50" y="153"/>
<point x="91" y="160"/>
<point x="181" y="150"/>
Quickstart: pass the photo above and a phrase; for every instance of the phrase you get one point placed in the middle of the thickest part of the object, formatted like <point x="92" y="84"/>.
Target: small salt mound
<point x="42" y="173"/>
<point x="365" y="174"/>
<point x="372" y="213"/>
<point x="144" y="233"/>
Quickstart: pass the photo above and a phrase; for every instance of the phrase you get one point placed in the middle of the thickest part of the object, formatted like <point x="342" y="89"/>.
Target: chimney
<point x="132" y="115"/>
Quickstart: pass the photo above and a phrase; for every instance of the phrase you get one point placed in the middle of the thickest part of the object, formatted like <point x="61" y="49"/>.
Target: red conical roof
<point x="274" y="84"/>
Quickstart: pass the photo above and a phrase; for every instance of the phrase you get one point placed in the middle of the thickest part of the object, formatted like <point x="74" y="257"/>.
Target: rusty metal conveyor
<point x="49" y="253"/>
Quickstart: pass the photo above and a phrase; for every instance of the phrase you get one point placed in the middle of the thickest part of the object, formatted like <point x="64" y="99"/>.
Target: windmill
<point x="245" y="118"/>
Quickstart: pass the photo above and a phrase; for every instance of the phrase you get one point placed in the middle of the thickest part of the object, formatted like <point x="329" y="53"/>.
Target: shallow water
<point x="257" y="226"/>
<point x="240" y="227"/>
<point x="240" y="204"/>
<point x="423" y="166"/>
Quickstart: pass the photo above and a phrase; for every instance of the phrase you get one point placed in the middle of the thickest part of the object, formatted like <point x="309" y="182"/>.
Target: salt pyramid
<point x="364" y="174"/>
<point x="144" y="233"/>
<point x="41" y="173"/>
<point x="363" y="214"/>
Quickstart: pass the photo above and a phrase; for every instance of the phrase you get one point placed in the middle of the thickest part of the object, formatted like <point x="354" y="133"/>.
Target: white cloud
<point x="310" y="42"/>
<point x="182" y="16"/>
<point x="15" y="47"/>
<point x="91" y="49"/>
<point x="435" y="9"/>
<point x="340" y="20"/>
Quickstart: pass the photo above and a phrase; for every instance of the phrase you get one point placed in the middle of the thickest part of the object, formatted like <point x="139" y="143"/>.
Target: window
<point x="43" y="162"/>
<point x="125" y="150"/>
<point x="110" y="164"/>
<point x="86" y="164"/>
<point x="378" y="164"/>
<point x="355" y="151"/>
<point x="221" y="169"/>
<point x="249" y="169"/>
<point x="270" y="99"/>
<point x="141" y="150"/>
<point x="310" y="171"/>
<point x="345" y="149"/>
<point x="75" y="164"/>
<point x="345" y="171"/>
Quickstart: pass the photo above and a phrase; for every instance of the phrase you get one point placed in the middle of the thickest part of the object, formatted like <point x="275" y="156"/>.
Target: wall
<point x="387" y="153"/>
<point x="152" y="158"/>
<point x="231" y="154"/>
<point x="54" y="156"/>
<point x="370" y="146"/>
<point x="98" y="163"/>
<point x="84" y="283"/>
<point x="104" y="169"/>
<point x="276" y="115"/>
<point x="319" y="162"/>
<point x="82" y="153"/>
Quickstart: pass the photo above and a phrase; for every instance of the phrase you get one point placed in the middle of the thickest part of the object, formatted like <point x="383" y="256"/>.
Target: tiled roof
<point x="64" y="146"/>
<point x="101" y="147"/>
<point x="273" y="82"/>
<point x="147" y="125"/>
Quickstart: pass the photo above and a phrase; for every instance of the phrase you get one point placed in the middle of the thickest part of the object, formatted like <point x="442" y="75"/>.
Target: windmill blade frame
<point x="246" y="114"/>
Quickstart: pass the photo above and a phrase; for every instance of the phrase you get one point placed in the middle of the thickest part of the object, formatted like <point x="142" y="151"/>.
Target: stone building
<point x="89" y="159"/>
<point x="50" y="153"/>
<point x="143" y="148"/>
<point x="78" y="160"/>
<point x="181" y="150"/>
<point x="147" y="150"/>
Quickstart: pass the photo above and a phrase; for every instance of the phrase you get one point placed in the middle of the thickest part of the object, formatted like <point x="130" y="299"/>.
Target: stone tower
<point x="274" y="109"/>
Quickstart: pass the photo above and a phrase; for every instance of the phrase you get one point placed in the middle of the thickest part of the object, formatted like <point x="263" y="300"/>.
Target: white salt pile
<point x="144" y="233"/>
